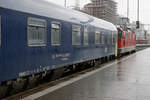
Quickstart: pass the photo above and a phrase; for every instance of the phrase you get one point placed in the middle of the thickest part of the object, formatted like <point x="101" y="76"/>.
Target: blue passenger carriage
<point x="37" y="36"/>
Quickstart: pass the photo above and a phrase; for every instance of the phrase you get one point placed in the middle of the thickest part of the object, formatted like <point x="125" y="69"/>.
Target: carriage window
<point x="86" y="37"/>
<point x="76" y="35"/>
<point x="133" y="36"/>
<point x="108" y="39"/>
<point x="112" y="37"/>
<point x="55" y="33"/>
<point x="36" y="32"/>
<point x="97" y="37"/>
<point x="102" y="38"/>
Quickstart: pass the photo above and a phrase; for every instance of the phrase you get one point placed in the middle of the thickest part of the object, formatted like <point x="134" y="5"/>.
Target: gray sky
<point x="122" y="7"/>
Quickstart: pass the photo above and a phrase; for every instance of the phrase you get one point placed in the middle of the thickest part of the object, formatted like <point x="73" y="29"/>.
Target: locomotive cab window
<point x="86" y="36"/>
<point x="120" y="35"/>
<point x="76" y="35"/>
<point x="55" y="33"/>
<point x="36" y="32"/>
<point x="97" y="37"/>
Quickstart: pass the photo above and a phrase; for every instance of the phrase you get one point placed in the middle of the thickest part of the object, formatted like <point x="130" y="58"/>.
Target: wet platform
<point x="128" y="79"/>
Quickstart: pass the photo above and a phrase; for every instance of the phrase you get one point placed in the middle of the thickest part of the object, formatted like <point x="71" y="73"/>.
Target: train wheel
<point x="32" y="82"/>
<point x="3" y="91"/>
<point x="57" y="73"/>
<point x="17" y="86"/>
<point x="47" y="77"/>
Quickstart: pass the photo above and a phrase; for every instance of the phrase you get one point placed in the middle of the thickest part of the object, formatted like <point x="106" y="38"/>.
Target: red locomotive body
<point x="126" y="42"/>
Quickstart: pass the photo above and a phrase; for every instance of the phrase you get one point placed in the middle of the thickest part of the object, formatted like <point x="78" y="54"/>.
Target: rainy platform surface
<point x="128" y="79"/>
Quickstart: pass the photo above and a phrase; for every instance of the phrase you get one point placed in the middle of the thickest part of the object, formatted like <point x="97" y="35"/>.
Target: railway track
<point x="26" y="93"/>
<point x="141" y="48"/>
<point x="66" y="77"/>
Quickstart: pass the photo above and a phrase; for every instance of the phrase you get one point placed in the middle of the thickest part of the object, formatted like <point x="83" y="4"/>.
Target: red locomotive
<point x="126" y="42"/>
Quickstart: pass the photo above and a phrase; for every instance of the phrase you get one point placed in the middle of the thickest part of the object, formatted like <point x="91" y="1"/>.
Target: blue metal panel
<point x="18" y="59"/>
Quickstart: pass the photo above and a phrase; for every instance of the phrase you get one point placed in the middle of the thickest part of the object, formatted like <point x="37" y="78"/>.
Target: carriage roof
<point x="47" y="9"/>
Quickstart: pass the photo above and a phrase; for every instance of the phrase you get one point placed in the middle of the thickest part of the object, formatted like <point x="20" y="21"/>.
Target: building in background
<point x="142" y="35"/>
<point x="107" y="10"/>
<point x="103" y="9"/>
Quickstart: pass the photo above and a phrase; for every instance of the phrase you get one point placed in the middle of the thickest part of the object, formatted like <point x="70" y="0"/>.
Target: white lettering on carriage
<point x="62" y="57"/>
<point x="38" y="70"/>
